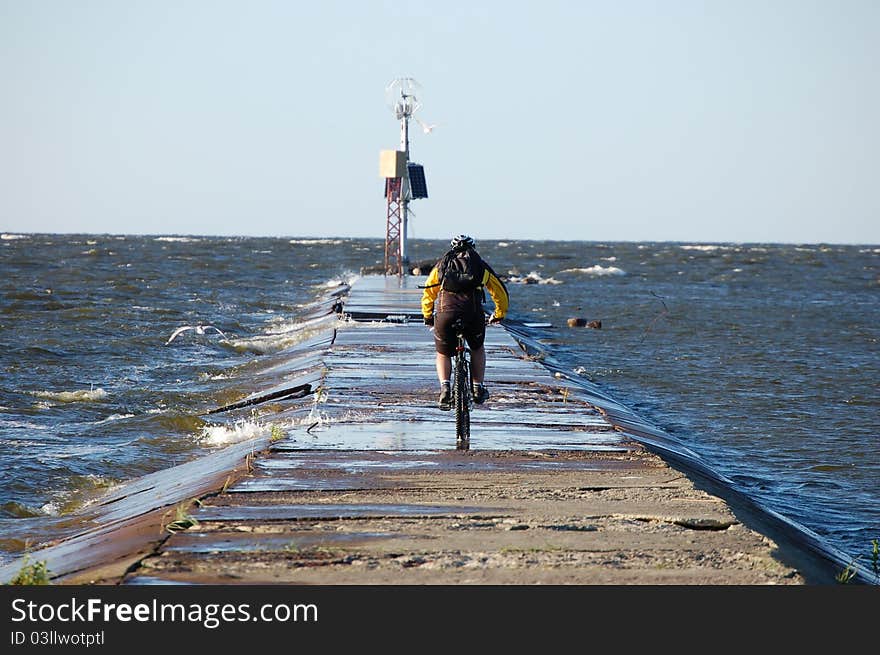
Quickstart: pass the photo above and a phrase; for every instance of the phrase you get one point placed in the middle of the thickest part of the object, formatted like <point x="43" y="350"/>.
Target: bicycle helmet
<point x="462" y="241"/>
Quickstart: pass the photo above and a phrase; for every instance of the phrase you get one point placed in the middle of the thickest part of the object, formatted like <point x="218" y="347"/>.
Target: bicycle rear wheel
<point x="462" y="403"/>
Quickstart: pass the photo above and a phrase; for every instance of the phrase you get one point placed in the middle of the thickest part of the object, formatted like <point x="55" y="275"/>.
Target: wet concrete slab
<point x="373" y="462"/>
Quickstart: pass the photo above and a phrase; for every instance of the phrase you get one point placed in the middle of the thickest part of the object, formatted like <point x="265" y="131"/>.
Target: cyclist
<point x="455" y="289"/>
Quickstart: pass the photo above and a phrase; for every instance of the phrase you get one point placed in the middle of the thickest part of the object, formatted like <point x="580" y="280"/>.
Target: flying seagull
<point x="200" y="329"/>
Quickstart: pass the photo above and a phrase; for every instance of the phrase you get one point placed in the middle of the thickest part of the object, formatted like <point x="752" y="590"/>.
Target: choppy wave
<point x="289" y="334"/>
<point x="263" y="345"/>
<point x="82" y="492"/>
<point x="13" y="423"/>
<point x="16" y="510"/>
<point x="81" y="396"/>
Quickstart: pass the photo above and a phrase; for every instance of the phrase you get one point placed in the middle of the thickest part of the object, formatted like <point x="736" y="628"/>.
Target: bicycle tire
<point x="461" y="401"/>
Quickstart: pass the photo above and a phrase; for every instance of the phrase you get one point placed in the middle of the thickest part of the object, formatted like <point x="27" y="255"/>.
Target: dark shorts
<point x="445" y="338"/>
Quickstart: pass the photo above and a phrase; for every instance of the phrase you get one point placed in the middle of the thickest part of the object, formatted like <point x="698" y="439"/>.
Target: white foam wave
<point x="281" y="325"/>
<point x="346" y="324"/>
<point x="52" y="508"/>
<point x="532" y="278"/>
<point x="706" y="247"/>
<point x="345" y="279"/>
<point x="316" y="242"/>
<point x="178" y="239"/>
<point x="205" y="377"/>
<point x="81" y="396"/>
<point x="114" y="417"/>
<point x="221" y="435"/>
<point x="596" y="270"/>
<point x="13" y="237"/>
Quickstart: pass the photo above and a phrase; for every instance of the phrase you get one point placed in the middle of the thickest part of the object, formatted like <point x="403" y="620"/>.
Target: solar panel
<point x="417" y="180"/>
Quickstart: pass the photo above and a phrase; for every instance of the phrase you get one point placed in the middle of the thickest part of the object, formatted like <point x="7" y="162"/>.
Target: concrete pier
<point x="360" y="481"/>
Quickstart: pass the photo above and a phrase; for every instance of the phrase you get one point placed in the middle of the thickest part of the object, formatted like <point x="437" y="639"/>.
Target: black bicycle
<point x="462" y="398"/>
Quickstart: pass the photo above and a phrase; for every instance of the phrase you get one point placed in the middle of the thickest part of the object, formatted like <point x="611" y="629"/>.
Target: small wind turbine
<point x="427" y="129"/>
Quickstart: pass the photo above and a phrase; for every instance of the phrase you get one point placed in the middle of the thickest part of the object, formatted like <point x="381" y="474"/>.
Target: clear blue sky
<point x="627" y="120"/>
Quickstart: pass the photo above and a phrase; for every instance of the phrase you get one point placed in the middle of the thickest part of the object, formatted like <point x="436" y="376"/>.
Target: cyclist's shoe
<point x="481" y="394"/>
<point x="445" y="402"/>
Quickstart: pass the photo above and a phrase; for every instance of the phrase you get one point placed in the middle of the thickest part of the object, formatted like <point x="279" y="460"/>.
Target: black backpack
<point x="461" y="271"/>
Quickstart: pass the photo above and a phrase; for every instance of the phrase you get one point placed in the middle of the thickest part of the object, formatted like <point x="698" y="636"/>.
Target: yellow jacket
<point x="491" y="283"/>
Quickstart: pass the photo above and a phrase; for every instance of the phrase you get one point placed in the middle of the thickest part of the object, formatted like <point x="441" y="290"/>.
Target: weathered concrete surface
<point x="362" y="483"/>
<point x="510" y="518"/>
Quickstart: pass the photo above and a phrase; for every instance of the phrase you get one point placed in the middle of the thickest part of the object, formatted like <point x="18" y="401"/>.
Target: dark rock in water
<point x="582" y="322"/>
<point x="417" y="268"/>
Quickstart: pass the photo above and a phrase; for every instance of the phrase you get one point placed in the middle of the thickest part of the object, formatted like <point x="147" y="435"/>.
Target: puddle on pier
<point x="326" y="511"/>
<point x="245" y="542"/>
<point x="403" y="436"/>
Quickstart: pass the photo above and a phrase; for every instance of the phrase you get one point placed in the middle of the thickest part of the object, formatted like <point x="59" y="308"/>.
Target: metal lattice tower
<point x="395" y="263"/>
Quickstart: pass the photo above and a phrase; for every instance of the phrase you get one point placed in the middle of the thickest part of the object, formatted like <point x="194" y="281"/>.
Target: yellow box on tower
<point x="392" y="163"/>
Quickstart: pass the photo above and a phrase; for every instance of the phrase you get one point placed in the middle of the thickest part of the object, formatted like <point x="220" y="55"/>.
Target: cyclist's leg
<point x="476" y="338"/>
<point x="478" y="365"/>
<point x="444" y="344"/>
<point x="476" y="335"/>
<point x="443" y="363"/>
